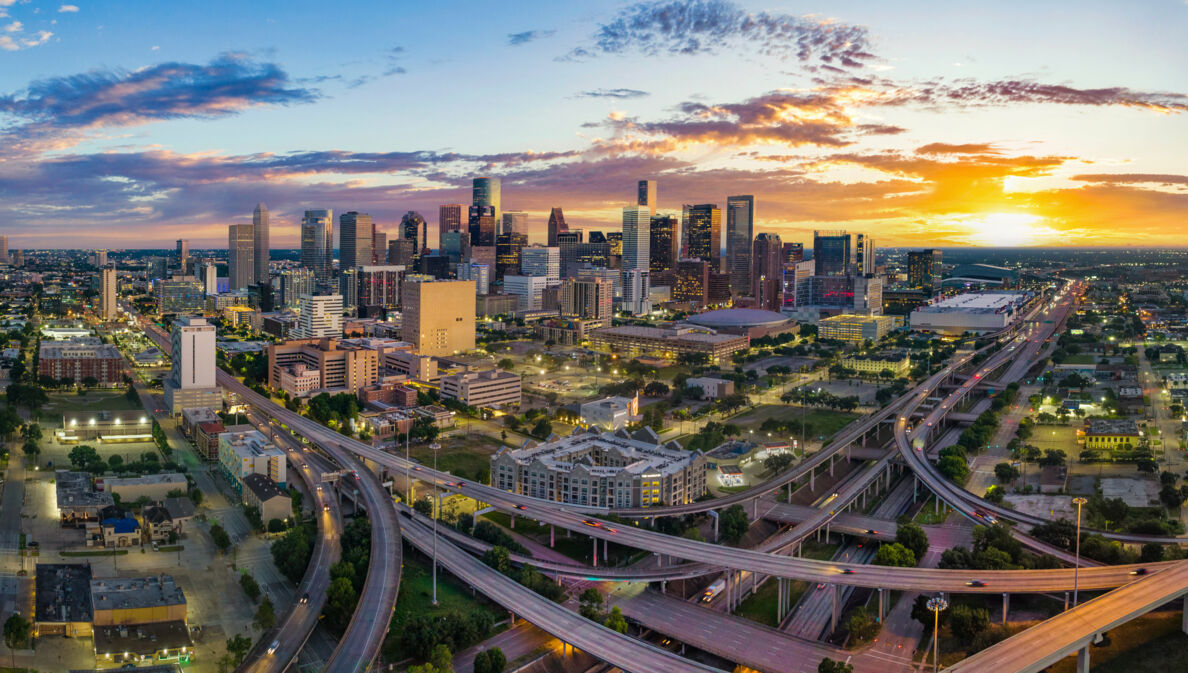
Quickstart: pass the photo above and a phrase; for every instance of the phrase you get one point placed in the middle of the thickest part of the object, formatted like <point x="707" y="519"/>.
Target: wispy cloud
<point x="14" y="41"/>
<point x="704" y="26"/>
<point x="392" y="58"/>
<point x="612" y="93"/>
<point x="173" y="90"/>
<point x="67" y="9"/>
<point x="516" y="39"/>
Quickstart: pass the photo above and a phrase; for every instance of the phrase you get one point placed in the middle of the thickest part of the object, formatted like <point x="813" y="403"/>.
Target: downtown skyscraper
<point x="740" y="230"/>
<point x="413" y="227"/>
<point x="701" y="226"/>
<point x="663" y="243"/>
<point x="767" y="272"/>
<point x="261" y="244"/>
<point x="354" y="240"/>
<point x="646" y="196"/>
<point x="557" y="226"/>
<point x="488" y="192"/>
<point x="317" y="243"/>
<point x="241" y="243"/>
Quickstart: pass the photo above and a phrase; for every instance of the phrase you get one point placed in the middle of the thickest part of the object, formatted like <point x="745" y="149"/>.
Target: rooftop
<point x="976" y="302"/>
<point x="738" y="317"/>
<point x="262" y="487"/>
<point x="142" y="639"/>
<point x="127" y="593"/>
<point x="74" y="490"/>
<point x="638" y="453"/>
<point x="179" y="508"/>
<point x="146" y="480"/>
<point x="1111" y="426"/>
<point x="686" y="333"/>
<point x="63" y="592"/>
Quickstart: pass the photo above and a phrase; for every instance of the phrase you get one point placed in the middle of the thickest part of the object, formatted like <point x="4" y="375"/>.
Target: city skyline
<point x="924" y="125"/>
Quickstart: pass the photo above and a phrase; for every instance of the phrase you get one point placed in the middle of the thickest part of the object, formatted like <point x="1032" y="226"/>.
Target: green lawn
<point x="97" y="552"/>
<point x="578" y="547"/>
<point x="60" y="403"/>
<point x="416" y="598"/>
<point x="465" y="457"/>
<point x="817" y="422"/>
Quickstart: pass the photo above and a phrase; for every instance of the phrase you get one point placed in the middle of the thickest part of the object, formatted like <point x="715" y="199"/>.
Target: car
<point x="273" y="647"/>
<point x="1139" y="571"/>
<point x="975" y="583"/>
<point x="156" y="547"/>
<point x="847" y="571"/>
<point x="521" y="507"/>
<point x="325" y="508"/>
<point x="417" y="468"/>
<point x="319" y="487"/>
<point x="305" y="598"/>
<point x="871" y="531"/>
<point x="592" y="522"/>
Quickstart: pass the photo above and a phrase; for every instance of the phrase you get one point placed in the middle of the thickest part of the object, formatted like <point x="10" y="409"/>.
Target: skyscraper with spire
<point x="261" y="243"/>
<point x="556" y="226"/>
<point x="317" y="243"/>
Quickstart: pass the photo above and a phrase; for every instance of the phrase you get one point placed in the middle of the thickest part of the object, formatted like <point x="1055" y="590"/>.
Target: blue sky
<point x="125" y="122"/>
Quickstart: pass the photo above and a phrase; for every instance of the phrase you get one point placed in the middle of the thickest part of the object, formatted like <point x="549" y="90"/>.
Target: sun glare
<point x="1009" y="230"/>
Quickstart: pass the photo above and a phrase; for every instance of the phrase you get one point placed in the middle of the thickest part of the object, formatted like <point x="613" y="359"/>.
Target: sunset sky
<point x="131" y="124"/>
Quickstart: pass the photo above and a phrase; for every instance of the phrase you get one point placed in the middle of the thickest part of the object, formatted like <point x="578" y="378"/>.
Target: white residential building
<point x="250" y="452"/>
<point x="494" y="387"/>
<point x="192" y="375"/>
<point x="528" y="288"/>
<point x="321" y="316"/>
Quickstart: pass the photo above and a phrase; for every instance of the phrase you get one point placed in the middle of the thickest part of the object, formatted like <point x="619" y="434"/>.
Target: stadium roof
<point x="737" y="317"/>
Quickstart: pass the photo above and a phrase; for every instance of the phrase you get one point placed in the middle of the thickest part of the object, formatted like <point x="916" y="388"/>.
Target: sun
<point x="1008" y="230"/>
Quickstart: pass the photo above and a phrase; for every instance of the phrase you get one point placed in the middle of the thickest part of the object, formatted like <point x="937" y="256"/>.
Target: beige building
<point x="151" y="486"/>
<point x="338" y="367"/>
<point x="493" y="387"/>
<point x="137" y="600"/>
<point x="850" y="327"/>
<point x="873" y="366"/>
<point x="438" y="316"/>
<point x="262" y="492"/>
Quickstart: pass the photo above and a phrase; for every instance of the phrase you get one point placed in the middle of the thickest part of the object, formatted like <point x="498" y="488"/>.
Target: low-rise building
<point x="242" y="453"/>
<point x="413" y="365"/>
<point x="120" y="532"/>
<point x="142" y="645"/>
<point x="243" y="315"/>
<point x="389" y="393"/>
<point x="491" y="388"/>
<point x="181" y="510"/>
<point x="155" y="487"/>
<point x="669" y="342"/>
<point x="77" y="500"/>
<point x="857" y="328"/>
<point x="137" y="600"/>
<point x="602" y="469"/>
<point x="82" y="359"/>
<point x="261" y="492"/>
<point x="206" y="439"/>
<point x="1131" y="399"/>
<point x="441" y="417"/>
<point x="1111" y="433"/>
<point x="62" y="600"/>
<point x="711" y="388"/>
<point x="567" y="331"/>
<point x="612" y="413"/>
<point x="158" y="524"/>
<point x="874" y="366"/>
<point x="192" y="417"/>
<point x="339" y="365"/>
<point x="105" y="426"/>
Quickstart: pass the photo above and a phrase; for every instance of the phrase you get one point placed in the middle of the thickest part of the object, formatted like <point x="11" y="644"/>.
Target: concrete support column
<point x="754" y="509"/>
<point x="882" y="606"/>
<point x="513" y="522"/>
<point x="915" y="488"/>
<point x="595" y="541"/>
<point x="836" y="614"/>
<point x="864" y="500"/>
<point x="779" y="599"/>
<point x="1083" y="659"/>
<point x="1006" y="607"/>
<point x="729" y="594"/>
<point x="831" y="464"/>
<point x="1184" y="618"/>
<point x="936" y="502"/>
<point x="1065" y="600"/>
<point x="663" y="586"/>
<point x="887" y="478"/>
<point x="716" y="527"/>
<point x="812" y="479"/>
<point x="605" y="549"/>
<point x="552" y="537"/>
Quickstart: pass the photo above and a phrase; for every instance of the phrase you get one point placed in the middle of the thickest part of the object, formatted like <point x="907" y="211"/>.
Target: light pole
<point x="936" y="604"/>
<point x="1077" y="566"/>
<point x="408" y="490"/>
<point x="436" y="505"/>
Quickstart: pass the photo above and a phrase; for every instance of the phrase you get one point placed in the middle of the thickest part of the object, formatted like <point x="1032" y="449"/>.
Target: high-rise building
<point x="541" y="260"/>
<point x="647" y="196"/>
<point x="438" y="316"/>
<point x="99" y="258"/>
<point x="413" y="227"/>
<point x="924" y="269"/>
<point x="479" y="273"/>
<point x="636" y="286"/>
<point x="293" y="284"/>
<point x="402" y="252"/>
<point x="379" y="289"/>
<point x="317" y="243"/>
<point x="183" y="256"/>
<point x="530" y="290"/>
<point x="793" y="252"/>
<point x="262" y="244"/>
<point x="354" y="240"/>
<point x="864" y="255"/>
<point x="180" y="294"/>
<point x="210" y="279"/>
<point x="450" y="217"/>
<point x="575" y="254"/>
<point x="481" y="224"/>
<point x="701" y="225"/>
<point x="508" y="247"/>
<point x="241" y="244"/>
<point x="379" y="248"/>
<point x="486" y="192"/>
<point x="691" y="282"/>
<point x="588" y="299"/>
<point x="740" y="231"/>
<point x="321" y="316"/>
<point x="515" y="222"/>
<point x="557" y="226"/>
<point x="4" y="249"/>
<point x="192" y="373"/>
<point x="833" y="253"/>
<point x="852" y="294"/>
<point x="455" y="245"/>
<point x="767" y="272"/>
<point x="663" y="243"/>
<point x="615" y="240"/>
<point x="108" y="294"/>
<point x="636" y="238"/>
<point x="348" y="287"/>
<point x="795" y="276"/>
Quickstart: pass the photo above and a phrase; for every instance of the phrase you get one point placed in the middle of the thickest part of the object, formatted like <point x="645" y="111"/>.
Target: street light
<point x="1077" y="566"/>
<point x="936" y="604"/>
<point x="437" y="504"/>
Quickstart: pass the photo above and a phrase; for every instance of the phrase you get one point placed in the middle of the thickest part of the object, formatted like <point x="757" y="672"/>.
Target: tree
<point x="1005" y="473"/>
<point x="16" y="634"/>
<point x="1151" y="553"/>
<point x="656" y="389"/>
<point x="912" y="536"/>
<point x="966" y="622"/>
<point x="779" y="462"/>
<point x="265" y="615"/>
<point x="32" y="431"/>
<point x="83" y="454"/>
<point x="954" y="468"/>
<point x="220" y="537"/>
<point x="542" y="429"/>
<point x="340" y="604"/>
<point x="276" y="526"/>
<point x="733" y="523"/>
<point x="615" y="621"/>
<point x="498" y="558"/>
<point x="828" y="665"/>
<point x="423" y="506"/>
<point x="1170" y="496"/>
<point x="238" y="646"/>
<point x="506" y="363"/>
<point x="895" y="554"/>
<point x="490" y="661"/>
<point x="442" y="659"/>
<point x="250" y="586"/>
<point x="115" y="460"/>
<point x="862" y="625"/>
<point x="590" y="604"/>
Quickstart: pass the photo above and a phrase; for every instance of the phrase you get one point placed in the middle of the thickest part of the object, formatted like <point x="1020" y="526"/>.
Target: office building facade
<point x="833" y="253"/>
<point x="646" y="196"/>
<point x="488" y="193"/>
<point x="355" y="232"/>
<point x="261" y="244"/>
<point x="108" y="293"/>
<point x="241" y="253"/>
<point x="317" y="243"/>
<point x="740" y="231"/>
<point x="321" y="316"/>
<point x="540" y="260"/>
<point x="438" y="316"/>
<point x="663" y="243"/>
<point x="556" y="226"/>
<point x="767" y="272"/>
<point x="413" y="227"/>
<point x="701" y="226"/>
<point x="192" y="371"/>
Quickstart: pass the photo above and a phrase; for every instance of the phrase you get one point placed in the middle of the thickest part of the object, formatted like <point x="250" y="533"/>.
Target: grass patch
<point x="1153" y="643"/>
<point x="927" y="515"/>
<point x="97" y="552"/>
<point x="468" y="458"/>
<point x="817" y="422"/>
<point x="416" y="598"/>
<point x="175" y="547"/>
<point x="93" y="401"/>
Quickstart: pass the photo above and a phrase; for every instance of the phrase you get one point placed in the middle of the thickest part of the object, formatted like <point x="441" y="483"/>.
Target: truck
<point x="711" y="592"/>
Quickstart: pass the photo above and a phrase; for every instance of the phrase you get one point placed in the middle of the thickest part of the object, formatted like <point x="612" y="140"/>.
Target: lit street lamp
<point x="1077" y="566"/>
<point x="936" y="604"/>
<point x="437" y="505"/>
